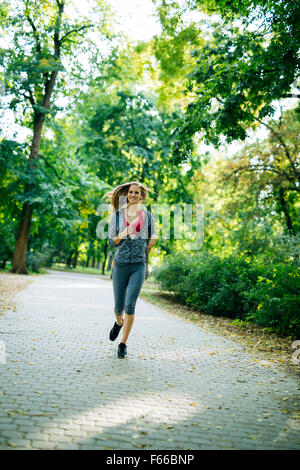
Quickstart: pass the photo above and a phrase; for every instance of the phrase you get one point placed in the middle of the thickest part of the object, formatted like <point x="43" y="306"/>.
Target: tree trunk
<point x="112" y="268"/>
<point x="105" y="257"/>
<point x="103" y="268"/>
<point x="147" y="265"/>
<point x="75" y="259"/>
<point x="69" y="260"/>
<point x="285" y="211"/>
<point x="110" y="260"/>
<point x="19" y="260"/>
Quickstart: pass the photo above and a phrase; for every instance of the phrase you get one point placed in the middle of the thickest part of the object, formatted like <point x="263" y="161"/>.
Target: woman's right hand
<point x="127" y="231"/>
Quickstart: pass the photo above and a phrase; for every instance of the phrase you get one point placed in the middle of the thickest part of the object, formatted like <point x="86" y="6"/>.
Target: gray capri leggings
<point x="127" y="283"/>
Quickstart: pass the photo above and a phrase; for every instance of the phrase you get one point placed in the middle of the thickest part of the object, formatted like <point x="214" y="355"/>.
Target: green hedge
<point x="275" y="300"/>
<point x="235" y="288"/>
<point x="36" y="260"/>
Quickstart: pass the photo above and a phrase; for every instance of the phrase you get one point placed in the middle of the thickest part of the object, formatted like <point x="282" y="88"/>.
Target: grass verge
<point x="78" y="269"/>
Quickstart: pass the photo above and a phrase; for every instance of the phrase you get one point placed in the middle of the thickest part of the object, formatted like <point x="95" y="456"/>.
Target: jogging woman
<point x="132" y="232"/>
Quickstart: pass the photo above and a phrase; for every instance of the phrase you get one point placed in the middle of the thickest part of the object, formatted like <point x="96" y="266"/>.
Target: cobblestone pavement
<point x="63" y="387"/>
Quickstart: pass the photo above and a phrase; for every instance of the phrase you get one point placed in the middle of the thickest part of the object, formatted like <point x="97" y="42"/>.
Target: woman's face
<point x="134" y="194"/>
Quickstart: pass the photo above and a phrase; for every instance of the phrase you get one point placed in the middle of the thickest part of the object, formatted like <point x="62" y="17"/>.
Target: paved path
<point x="63" y="387"/>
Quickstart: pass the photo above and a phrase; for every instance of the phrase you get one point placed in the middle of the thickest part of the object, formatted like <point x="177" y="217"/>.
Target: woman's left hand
<point x="151" y="244"/>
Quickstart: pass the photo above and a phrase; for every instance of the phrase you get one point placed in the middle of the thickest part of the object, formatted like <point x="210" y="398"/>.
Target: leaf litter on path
<point x="267" y="349"/>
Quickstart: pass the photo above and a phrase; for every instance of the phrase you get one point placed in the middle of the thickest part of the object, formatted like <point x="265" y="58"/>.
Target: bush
<point x="221" y="284"/>
<point x="209" y="283"/>
<point x="275" y="300"/>
<point x="36" y="260"/>
<point x="173" y="271"/>
<point x="235" y="288"/>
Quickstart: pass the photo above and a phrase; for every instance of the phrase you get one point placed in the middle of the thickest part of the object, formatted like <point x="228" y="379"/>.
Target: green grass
<point x="149" y="283"/>
<point x="60" y="267"/>
<point x="8" y="266"/>
<point x="78" y="269"/>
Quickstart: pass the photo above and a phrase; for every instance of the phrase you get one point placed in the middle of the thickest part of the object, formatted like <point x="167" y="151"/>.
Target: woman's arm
<point x="151" y="243"/>
<point x="114" y="238"/>
<point x="122" y="235"/>
<point x="153" y="237"/>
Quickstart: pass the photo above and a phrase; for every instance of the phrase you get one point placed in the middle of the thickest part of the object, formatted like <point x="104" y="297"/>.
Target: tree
<point x="128" y="139"/>
<point x="12" y="175"/>
<point x="276" y="165"/>
<point x="241" y="70"/>
<point x="64" y="201"/>
<point x="42" y="36"/>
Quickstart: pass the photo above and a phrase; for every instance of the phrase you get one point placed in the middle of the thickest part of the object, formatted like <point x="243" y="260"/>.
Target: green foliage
<point x="36" y="260"/>
<point x="275" y="299"/>
<point x="239" y="70"/>
<point x="7" y="240"/>
<point x="235" y="287"/>
<point x="235" y="83"/>
<point x="127" y="128"/>
<point x="65" y="196"/>
<point x="173" y="50"/>
<point x="40" y="34"/>
<point x="172" y="271"/>
<point x="12" y="178"/>
<point x="251" y="198"/>
<point x="209" y="283"/>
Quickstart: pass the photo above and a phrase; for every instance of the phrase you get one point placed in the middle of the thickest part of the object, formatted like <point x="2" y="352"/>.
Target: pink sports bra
<point x="138" y="225"/>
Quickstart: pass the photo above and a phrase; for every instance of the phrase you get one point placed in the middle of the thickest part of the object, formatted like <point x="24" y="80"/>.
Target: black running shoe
<point x="115" y="331"/>
<point x="122" y="350"/>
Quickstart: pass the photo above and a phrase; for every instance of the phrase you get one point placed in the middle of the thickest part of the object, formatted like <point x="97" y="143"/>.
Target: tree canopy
<point x="99" y="109"/>
<point x="246" y="62"/>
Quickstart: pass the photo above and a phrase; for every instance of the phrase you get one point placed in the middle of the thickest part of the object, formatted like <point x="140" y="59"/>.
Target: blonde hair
<point x="122" y="190"/>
